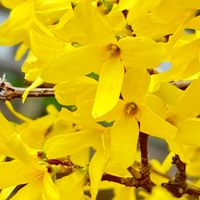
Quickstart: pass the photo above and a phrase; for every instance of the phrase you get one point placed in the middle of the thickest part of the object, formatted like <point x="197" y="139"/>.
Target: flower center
<point x="130" y="109"/>
<point x="113" y="50"/>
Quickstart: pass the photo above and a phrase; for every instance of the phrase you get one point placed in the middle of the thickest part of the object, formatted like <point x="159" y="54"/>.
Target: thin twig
<point x="9" y="92"/>
<point x="178" y="186"/>
<point x="143" y="139"/>
<point x="144" y="180"/>
<point x="127" y="181"/>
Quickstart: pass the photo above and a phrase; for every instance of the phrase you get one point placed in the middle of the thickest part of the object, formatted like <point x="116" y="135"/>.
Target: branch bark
<point x="9" y="92"/>
<point x="178" y="185"/>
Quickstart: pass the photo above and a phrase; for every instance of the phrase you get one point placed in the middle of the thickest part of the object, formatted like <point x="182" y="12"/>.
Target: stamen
<point x="113" y="50"/>
<point x="131" y="109"/>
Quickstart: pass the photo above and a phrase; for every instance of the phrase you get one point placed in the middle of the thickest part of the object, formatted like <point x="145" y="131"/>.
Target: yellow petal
<point x="189" y="132"/>
<point x="69" y="65"/>
<point x="35" y="84"/>
<point x="188" y="104"/>
<point x="70" y="143"/>
<point x="195" y="4"/>
<point x="32" y="67"/>
<point x="11" y="3"/>
<point x="19" y="150"/>
<point x="109" y="87"/>
<point x="141" y="52"/>
<point x="184" y="54"/>
<point x="34" y="136"/>
<point x="93" y="24"/>
<point x="97" y="167"/>
<point x="72" y="186"/>
<point x="135" y="85"/>
<point x="49" y="12"/>
<point x="5" y="193"/>
<point x="117" y="21"/>
<point x="153" y="124"/>
<point x="84" y="113"/>
<point x="14" y="173"/>
<point x="165" y="166"/>
<point x="168" y="93"/>
<point x="160" y="193"/>
<point x="161" y="15"/>
<point x="81" y="158"/>
<point x="68" y="92"/>
<point x="21" y="51"/>
<point x="139" y="7"/>
<point x="14" y="29"/>
<point x="18" y="115"/>
<point x="123" y="192"/>
<point x="124" y="139"/>
<point x="157" y="79"/>
<point x="49" y="190"/>
<point x="156" y="105"/>
<point x="194" y="23"/>
<point x="12" y="141"/>
<point x="44" y="45"/>
<point x="27" y="191"/>
<point x="178" y="148"/>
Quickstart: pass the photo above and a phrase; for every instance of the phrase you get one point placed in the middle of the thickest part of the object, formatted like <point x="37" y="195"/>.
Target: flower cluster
<point x="106" y="59"/>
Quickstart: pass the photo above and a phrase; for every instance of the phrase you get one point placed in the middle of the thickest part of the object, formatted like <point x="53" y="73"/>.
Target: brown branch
<point x="178" y="186"/>
<point x="127" y="181"/>
<point x="145" y="170"/>
<point x="9" y="92"/>
<point x="143" y="139"/>
<point x="138" y="164"/>
<point x="193" y="191"/>
<point x="141" y="178"/>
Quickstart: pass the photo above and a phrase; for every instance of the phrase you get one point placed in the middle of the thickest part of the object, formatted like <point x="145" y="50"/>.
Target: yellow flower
<point x="152" y="19"/>
<point x="137" y="108"/>
<point x="24" y="14"/>
<point x="103" y="54"/>
<point x="88" y="134"/>
<point x="25" y="168"/>
<point x="32" y="168"/>
<point x="182" y="112"/>
<point x="83" y="136"/>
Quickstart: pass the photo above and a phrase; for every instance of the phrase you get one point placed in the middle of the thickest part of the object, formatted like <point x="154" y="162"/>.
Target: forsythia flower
<point x="103" y="54"/>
